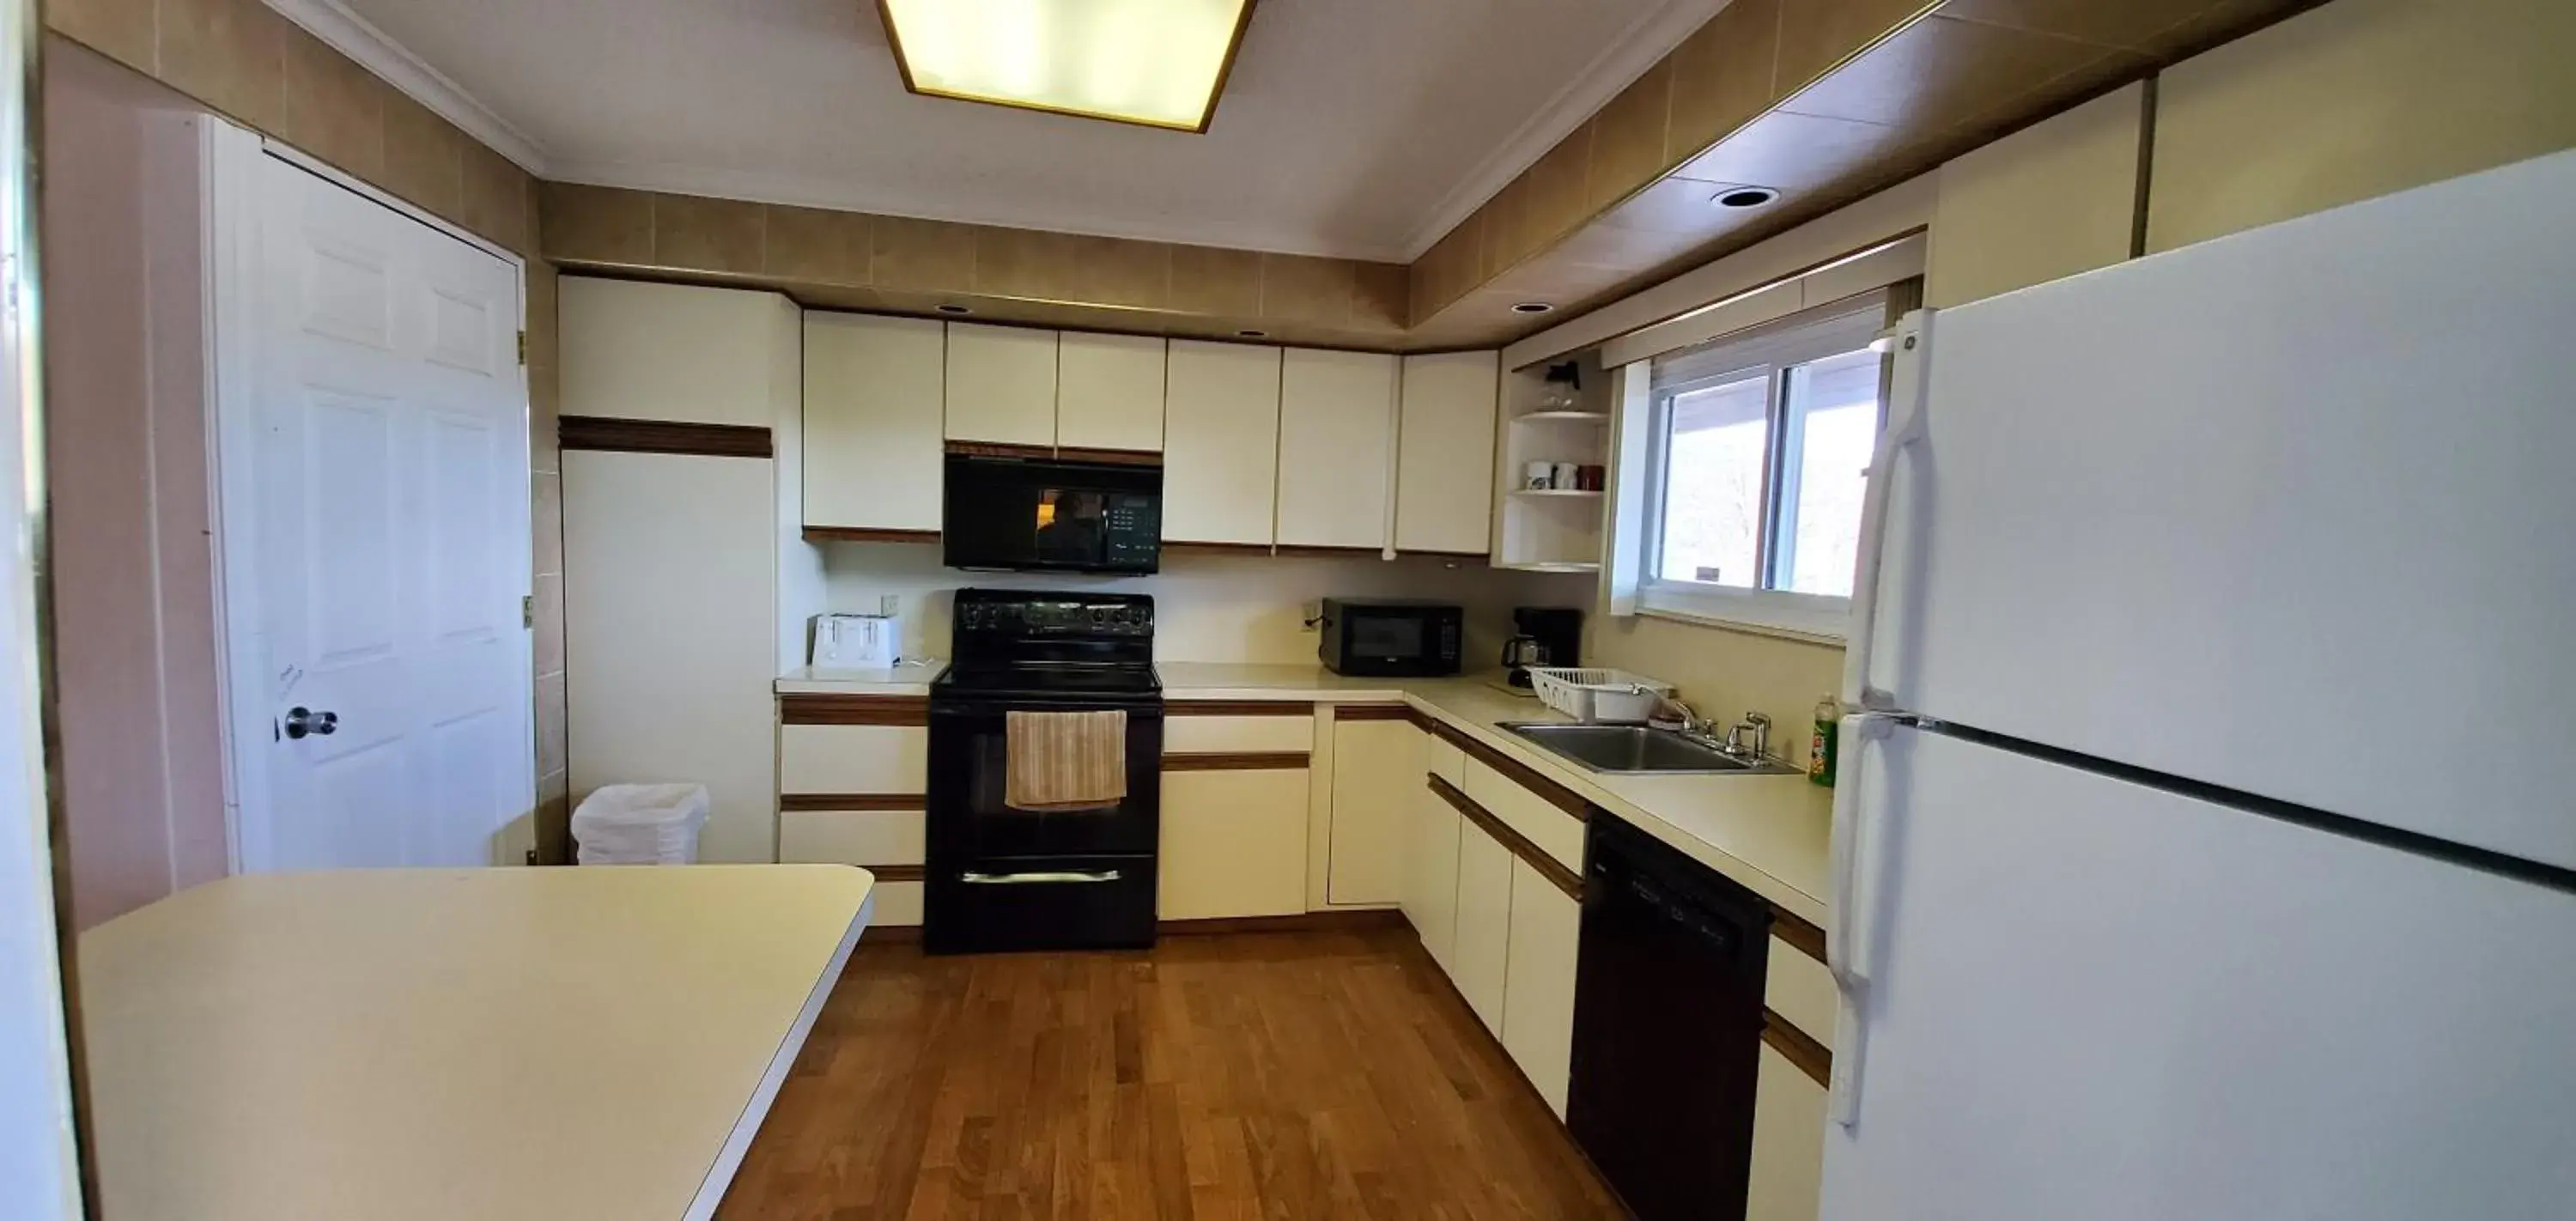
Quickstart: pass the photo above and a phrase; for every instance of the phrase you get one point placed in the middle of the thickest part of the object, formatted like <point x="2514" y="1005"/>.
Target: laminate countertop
<point x="1771" y="834"/>
<point x="488" y="1043"/>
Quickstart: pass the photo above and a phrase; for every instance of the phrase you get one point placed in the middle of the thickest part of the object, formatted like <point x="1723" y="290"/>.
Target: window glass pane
<point x="1832" y="419"/>
<point x="1715" y="452"/>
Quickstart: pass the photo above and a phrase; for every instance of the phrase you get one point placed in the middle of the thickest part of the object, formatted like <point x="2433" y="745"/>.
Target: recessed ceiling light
<point x="953" y="309"/>
<point x="1744" y="197"/>
<point x="1532" y="307"/>
<point x="1160" y="63"/>
<point x="1252" y="334"/>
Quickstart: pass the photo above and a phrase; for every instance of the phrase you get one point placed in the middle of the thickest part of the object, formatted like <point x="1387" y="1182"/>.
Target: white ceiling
<point x="1355" y="128"/>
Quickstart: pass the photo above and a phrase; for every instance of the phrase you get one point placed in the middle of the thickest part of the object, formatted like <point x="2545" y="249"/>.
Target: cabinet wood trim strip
<point x="1807" y="938"/>
<point x="1286" y="550"/>
<point x="852" y="803"/>
<point x="1108" y="457"/>
<point x="816" y="709"/>
<point x="856" y="534"/>
<point x="1515" y="771"/>
<point x="897" y="873"/>
<point x="662" y="437"/>
<point x="1171" y="544"/>
<point x="1244" y="761"/>
<point x="1372" y="712"/>
<point x="1811" y="1057"/>
<point x="1446" y="555"/>
<point x="988" y="449"/>
<point x="1363" y="920"/>
<point x="1173" y="708"/>
<point x="1537" y="858"/>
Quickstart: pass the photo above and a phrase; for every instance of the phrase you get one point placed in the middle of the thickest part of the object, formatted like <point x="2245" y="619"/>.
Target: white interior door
<point x="380" y="658"/>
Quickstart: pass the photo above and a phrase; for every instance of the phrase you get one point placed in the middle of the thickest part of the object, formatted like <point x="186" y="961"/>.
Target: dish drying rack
<point x="1597" y="695"/>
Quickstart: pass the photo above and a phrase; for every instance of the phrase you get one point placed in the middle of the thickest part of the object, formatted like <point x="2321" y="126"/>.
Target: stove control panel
<point x="1004" y="615"/>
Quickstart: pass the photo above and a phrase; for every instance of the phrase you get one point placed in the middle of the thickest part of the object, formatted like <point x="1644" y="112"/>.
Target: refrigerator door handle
<point x="1906" y="390"/>
<point x="1848" y="934"/>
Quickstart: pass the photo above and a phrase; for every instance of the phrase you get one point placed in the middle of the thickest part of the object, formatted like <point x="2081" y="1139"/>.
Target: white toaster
<point x="856" y="642"/>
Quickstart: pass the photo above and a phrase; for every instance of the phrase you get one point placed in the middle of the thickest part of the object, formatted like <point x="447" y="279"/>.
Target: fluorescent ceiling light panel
<point x="1155" y="62"/>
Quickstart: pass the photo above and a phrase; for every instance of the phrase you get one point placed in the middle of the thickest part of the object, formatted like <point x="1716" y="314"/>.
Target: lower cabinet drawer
<point x="851" y="837"/>
<point x="898" y="904"/>
<point x="1223" y="735"/>
<point x="853" y="758"/>
<point x="1233" y="844"/>
<point x="1800" y="989"/>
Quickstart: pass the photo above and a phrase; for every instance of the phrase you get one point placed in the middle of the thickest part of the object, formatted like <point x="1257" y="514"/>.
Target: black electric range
<point x="1000" y="878"/>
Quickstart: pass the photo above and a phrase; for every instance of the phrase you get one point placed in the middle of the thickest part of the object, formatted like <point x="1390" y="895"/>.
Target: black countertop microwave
<point x="1036" y="515"/>
<point x="1391" y="638"/>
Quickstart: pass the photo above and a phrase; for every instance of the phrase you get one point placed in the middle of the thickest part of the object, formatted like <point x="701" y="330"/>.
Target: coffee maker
<point x="1545" y="636"/>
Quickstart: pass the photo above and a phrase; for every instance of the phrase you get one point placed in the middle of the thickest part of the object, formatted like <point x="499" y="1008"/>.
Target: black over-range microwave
<point x="1039" y="515"/>
<point x="1391" y="638"/>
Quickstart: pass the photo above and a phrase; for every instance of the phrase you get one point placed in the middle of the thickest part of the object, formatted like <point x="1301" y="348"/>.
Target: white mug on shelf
<point x="1541" y="475"/>
<point x="1565" y="477"/>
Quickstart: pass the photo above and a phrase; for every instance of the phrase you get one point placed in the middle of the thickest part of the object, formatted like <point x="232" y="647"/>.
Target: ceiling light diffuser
<point x="1160" y="63"/>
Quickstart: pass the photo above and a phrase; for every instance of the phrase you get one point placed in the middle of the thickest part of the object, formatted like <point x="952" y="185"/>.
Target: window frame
<point x="1769" y="353"/>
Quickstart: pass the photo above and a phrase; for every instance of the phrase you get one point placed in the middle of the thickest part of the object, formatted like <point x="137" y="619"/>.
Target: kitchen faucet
<point x="1755" y="724"/>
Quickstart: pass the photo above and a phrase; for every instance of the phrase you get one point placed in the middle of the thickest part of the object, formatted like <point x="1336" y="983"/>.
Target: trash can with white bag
<point x="640" y="824"/>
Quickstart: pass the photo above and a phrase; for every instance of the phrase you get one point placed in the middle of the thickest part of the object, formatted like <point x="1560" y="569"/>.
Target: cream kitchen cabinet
<point x="1001" y="384"/>
<point x="1220" y="443"/>
<point x="1538" y="989"/>
<point x="1377" y="767"/>
<point x="853" y="780"/>
<point x="875" y="405"/>
<point x="1336" y="448"/>
<point x="1480" y="951"/>
<point x="1444" y="457"/>
<point x="1233" y="842"/>
<point x="686" y="588"/>
<point x="670" y="353"/>
<point x="1109" y="392"/>
<point x="1430" y="896"/>
<point x="1788" y="1169"/>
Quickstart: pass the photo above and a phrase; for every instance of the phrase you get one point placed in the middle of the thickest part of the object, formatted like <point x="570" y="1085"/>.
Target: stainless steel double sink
<point x="1629" y="750"/>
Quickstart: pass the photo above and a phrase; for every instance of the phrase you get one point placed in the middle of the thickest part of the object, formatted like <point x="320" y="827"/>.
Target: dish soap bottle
<point x="1820" y="749"/>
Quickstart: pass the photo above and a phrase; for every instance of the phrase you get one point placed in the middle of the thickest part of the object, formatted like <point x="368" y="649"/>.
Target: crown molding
<point x="356" y="37"/>
<point x="846" y="195"/>
<point x="1646" y="43"/>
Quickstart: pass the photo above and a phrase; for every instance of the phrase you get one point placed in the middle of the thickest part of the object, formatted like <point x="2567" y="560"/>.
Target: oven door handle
<point x="974" y="878"/>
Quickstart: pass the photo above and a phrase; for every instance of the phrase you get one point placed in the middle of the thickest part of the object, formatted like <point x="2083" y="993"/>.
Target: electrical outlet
<point x="889" y="604"/>
<point x="1314" y="617"/>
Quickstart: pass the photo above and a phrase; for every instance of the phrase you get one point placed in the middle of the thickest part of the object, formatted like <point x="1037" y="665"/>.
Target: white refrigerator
<point x="2207" y="849"/>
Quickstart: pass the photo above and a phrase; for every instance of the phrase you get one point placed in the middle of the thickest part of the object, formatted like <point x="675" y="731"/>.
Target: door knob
<point x="303" y="721"/>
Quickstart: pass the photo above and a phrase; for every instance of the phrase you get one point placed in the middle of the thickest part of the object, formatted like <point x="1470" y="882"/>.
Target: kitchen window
<point x="1759" y="447"/>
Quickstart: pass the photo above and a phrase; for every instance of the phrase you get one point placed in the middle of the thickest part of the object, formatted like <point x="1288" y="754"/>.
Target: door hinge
<point x="528" y="611"/>
<point x="523" y="348"/>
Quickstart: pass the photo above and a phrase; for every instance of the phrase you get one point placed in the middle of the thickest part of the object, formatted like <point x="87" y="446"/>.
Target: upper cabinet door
<point x="1001" y="384"/>
<point x="873" y="406"/>
<point x="1444" y="460"/>
<point x="1109" y="392"/>
<point x="1220" y="443"/>
<point x="674" y="353"/>
<point x="1336" y="448"/>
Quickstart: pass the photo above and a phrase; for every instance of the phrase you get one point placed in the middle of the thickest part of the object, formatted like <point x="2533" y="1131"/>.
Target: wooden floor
<point x="1268" y="1075"/>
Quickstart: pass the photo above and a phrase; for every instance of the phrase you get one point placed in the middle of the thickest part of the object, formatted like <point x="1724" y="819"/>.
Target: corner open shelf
<point x="1562" y="417"/>
<point x="1550" y="529"/>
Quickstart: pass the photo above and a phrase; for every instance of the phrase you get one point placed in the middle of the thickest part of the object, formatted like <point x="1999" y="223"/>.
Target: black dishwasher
<point x="1667" y="1027"/>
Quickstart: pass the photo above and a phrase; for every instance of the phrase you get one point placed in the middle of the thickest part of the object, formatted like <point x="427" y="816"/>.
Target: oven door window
<point x="1389" y="637"/>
